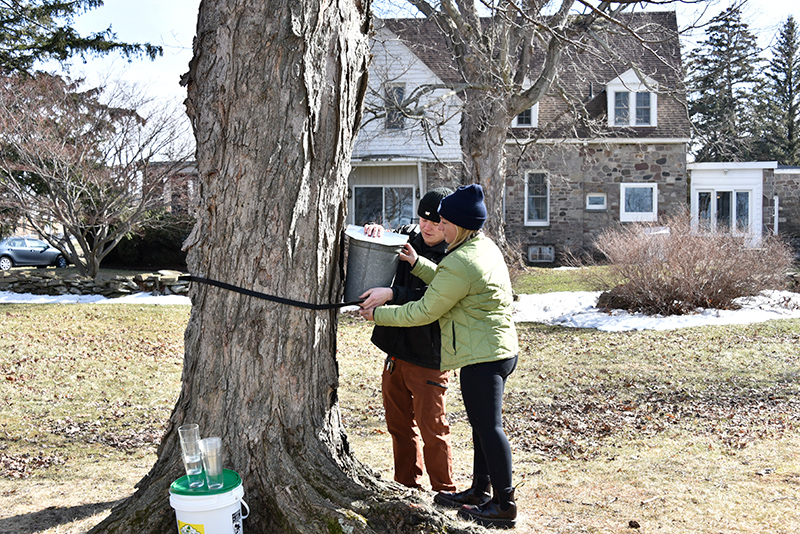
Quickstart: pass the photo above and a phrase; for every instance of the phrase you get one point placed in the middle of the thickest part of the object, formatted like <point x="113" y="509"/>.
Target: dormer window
<point x="643" y="110"/>
<point x="631" y="101"/>
<point x="622" y="108"/>
<point x="528" y="118"/>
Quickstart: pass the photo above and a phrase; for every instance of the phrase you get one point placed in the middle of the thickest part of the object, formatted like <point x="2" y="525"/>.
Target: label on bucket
<point x="237" y="522"/>
<point x="186" y="528"/>
<point x="189" y="528"/>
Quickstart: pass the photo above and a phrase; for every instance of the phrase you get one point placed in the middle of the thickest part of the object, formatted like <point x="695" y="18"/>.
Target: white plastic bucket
<point x="204" y="511"/>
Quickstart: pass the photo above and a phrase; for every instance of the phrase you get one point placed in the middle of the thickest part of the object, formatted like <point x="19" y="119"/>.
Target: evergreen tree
<point x="722" y="73"/>
<point x="36" y="30"/>
<point x="779" y="101"/>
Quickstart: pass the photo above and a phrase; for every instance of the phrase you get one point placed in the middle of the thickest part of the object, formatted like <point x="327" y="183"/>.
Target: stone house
<point x="606" y="146"/>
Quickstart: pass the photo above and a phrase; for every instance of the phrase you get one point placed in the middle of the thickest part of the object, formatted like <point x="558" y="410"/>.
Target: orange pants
<point x="414" y="399"/>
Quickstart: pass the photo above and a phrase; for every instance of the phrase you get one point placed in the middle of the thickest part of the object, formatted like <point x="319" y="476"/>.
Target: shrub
<point x="157" y="247"/>
<point x="673" y="270"/>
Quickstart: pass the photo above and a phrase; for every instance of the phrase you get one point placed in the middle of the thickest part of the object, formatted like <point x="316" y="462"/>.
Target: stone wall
<point x="575" y="170"/>
<point x="786" y="186"/>
<point x="51" y="282"/>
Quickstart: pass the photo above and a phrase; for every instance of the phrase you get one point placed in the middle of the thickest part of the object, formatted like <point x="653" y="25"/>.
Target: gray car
<point x="25" y="251"/>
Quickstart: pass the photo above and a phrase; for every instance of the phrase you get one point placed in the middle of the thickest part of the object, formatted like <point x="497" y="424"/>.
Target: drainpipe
<point x="775" y="207"/>
<point x="419" y="181"/>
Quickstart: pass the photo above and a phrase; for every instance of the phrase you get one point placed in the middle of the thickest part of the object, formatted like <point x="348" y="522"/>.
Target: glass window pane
<point x="395" y="120"/>
<point x="595" y="201"/>
<point x="704" y="210"/>
<point x="621" y="107"/>
<point x="525" y="118"/>
<point x="742" y="210"/>
<point x="723" y="211"/>
<point x="537" y="209"/>
<point x="642" y="108"/>
<point x="538" y="197"/>
<point x="541" y="253"/>
<point x="368" y="205"/>
<point x="537" y="184"/>
<point x="399" y="206"/>
<point x="639" y="199"/>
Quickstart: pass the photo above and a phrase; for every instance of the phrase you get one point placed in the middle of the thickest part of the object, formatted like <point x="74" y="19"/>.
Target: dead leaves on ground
<point x="574" y="426"/>
<point x="23" y="465"/>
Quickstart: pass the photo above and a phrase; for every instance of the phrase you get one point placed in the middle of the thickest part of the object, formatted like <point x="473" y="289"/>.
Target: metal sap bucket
<point x="371" y="262"/>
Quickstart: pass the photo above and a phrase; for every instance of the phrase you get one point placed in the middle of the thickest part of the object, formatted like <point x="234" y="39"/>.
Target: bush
<point x="153" y="248"/>
<point x="674" y="270"/>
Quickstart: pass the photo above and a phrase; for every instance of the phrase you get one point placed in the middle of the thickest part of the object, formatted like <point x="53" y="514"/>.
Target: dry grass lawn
<point x="689" y="431"/>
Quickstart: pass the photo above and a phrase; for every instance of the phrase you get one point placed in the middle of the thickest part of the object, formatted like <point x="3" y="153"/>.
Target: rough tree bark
<point x="493" y="55"/>
<point x="275" y="89"/>
<point x="484" y="129"/>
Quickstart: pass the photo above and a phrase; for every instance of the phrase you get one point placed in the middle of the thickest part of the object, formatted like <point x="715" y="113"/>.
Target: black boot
<point x="497" y="513"/>
<point x="476" y="495"/>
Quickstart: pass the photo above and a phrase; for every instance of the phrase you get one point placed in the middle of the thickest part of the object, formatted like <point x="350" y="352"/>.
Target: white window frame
<point x="734" y="215"/>
<point x="638" y="216"/>
<point x="630" y="83"/>
<point x="537" y="222"/>
<point x="534" y="118"/>
<point x="596" y="207"/>
<point x="395" y="120"/>
<point x="541" y="253"/>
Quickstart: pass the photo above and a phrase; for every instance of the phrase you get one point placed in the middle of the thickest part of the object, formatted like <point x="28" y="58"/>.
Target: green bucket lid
<point x="230" y="480"/>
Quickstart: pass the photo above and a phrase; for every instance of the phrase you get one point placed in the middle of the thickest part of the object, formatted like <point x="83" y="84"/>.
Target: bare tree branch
<point x="96" y="169"/>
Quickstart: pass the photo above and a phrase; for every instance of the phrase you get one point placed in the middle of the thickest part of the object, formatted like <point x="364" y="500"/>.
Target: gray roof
<point x="584" y="73"/>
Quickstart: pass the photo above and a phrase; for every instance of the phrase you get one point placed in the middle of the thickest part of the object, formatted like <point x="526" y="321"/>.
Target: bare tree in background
<point x="507" y="55"/>
<point x="89" y="166"/>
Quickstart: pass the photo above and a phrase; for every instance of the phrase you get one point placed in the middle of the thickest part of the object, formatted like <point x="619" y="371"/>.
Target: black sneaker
<point x="491" y="515"/>
<point x="457" y="500"/>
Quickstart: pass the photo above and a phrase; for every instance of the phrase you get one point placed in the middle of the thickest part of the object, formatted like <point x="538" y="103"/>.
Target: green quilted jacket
<point x="469" y="292"/>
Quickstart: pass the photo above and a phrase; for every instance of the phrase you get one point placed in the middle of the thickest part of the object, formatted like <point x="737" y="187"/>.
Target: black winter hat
<point x="429" y="204"/>
<point x="465" y="207"/>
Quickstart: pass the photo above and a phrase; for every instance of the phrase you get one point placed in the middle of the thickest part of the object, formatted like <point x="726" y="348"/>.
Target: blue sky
<point x="172" y="24"/>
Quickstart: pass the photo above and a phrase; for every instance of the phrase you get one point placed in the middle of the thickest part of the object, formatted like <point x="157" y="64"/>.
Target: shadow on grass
<point x="51" y="517"/>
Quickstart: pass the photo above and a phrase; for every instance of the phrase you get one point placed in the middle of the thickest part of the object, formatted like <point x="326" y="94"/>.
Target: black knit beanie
<point x="465" y="207"/>
<point x="429" y="204"/>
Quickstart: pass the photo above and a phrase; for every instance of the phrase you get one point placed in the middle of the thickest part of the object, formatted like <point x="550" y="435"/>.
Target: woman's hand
<point x="373" y="230"/>
<point x="377" y="296"/>
<point x="366" y="313"/>
<point x="409" y="254"/>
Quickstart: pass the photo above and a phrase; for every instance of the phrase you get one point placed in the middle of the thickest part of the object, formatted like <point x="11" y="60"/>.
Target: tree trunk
<point x="484" y="130"/>
<point x="275" y="89"/>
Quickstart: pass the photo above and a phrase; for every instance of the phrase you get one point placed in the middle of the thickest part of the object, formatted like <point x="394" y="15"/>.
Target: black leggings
<point x="482" y="388"/>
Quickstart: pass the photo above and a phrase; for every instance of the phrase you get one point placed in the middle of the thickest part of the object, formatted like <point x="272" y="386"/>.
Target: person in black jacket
<point x="414" y="389"/>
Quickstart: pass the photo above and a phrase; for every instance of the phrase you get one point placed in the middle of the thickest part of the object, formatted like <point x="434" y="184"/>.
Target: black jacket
<point x="420" y="345"/>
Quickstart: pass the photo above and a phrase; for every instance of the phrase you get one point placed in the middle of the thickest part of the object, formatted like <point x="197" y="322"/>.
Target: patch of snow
<point x="576" y="309"/>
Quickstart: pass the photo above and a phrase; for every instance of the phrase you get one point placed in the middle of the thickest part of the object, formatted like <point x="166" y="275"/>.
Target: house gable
<point x="396" y="71"/>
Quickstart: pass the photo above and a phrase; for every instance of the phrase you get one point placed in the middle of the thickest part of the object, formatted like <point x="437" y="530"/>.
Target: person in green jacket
<point x="469" y="293"/>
